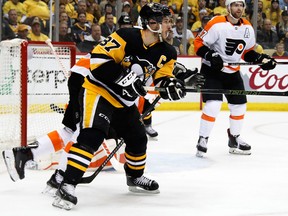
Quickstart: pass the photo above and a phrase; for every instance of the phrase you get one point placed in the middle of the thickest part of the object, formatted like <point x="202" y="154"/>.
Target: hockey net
<point x="33" y="89"/>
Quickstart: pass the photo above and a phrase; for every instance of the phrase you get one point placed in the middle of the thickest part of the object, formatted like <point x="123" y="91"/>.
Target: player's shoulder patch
<point x="245" y="22"/>
<point x="215" y="20"/>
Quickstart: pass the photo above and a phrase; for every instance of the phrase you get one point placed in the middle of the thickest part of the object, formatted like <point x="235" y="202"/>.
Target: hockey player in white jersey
<point x="227" y="39"/>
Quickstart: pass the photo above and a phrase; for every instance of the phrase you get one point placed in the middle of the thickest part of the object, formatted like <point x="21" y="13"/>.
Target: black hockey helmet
<point x="125" y="20"/>
<point x="151" y="11"/>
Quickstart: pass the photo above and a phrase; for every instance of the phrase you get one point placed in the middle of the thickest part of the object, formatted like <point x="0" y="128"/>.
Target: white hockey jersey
<point x="230" y="41"/>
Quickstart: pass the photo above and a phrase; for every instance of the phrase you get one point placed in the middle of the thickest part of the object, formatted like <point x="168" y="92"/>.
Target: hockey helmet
<point x="151" y="11"/>
<point x="125" y="20"/>
<point x="229" y="2"/>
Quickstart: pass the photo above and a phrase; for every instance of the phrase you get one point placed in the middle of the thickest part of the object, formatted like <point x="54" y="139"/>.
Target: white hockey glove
<point x="131" y="83"/>
<point x="174" y="89"/>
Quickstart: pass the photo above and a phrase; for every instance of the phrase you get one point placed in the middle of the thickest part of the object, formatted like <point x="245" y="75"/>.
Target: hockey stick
<point x="89" y="179"/>
<point x="150" y="108"/>
<point x="48" y="42"/>
<point x="115" y="163"/>
<point x="57" y="109"/>
<point x="250" y="63"/>
<point x="224" y="91"/>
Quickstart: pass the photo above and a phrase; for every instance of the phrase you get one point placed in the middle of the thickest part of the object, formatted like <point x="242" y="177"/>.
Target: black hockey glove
<point x="132" y="85"/>
<point x="215" y="60"/>
<point x="195" y="81"/>
<point x="181" y="72"/>
<point x="174" y="89"/>
<point x="268" y="63"/>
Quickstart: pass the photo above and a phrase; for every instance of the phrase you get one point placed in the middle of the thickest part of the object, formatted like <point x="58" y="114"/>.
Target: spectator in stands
<point x="114" y="4"/>
<point x="18" y="6"/>
<point x="37" y="8"/>
<point x="201" y="7"/>
<point x="10" y="25"/>
<point x="178" y="30"/>
<point x="125" y="21"/>
<point x="64" y="32"/>
<point x="126" y="8"/>
<point x="280" y="51"/>
<point x="198" y="24"/>
<point x="36" y="34"/>
<point x="211" y="4"/>
<point x="108" y="26"/>
<point x="274" y="13"/>
<point x="82" y="8"/>
<point x="176" y="43"/>
<point x="204" y="22"/>
<point x="282" y="28"/>
<point x="69" y="8"/>
<point x="94" y="9"/>
<point x="283" y="4"/>
<point x="23" y="31"/>
<point x="63" y="17"/>
<point x="221" y="9"/>
<point x="12" y="20"/>
<point x="135" y="12"/>
<point x="267" y="37"/>
<point x="108" y="10"/>
<point x="90" y="41"/>
<point x="260" y="9"/>
<point x="80" y="28"/>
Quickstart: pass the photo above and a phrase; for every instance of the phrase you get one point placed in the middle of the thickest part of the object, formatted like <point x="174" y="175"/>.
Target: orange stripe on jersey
<point x="233" y="68"/>
<point x="56" y="140"/>
<point x="83" y="62"/>
<point x="198" y="42"/>
<point x="237" y="117"/>
<point x="68" y="146"/>
<point x="141" y="104"/>
<point x="207" y="118"/>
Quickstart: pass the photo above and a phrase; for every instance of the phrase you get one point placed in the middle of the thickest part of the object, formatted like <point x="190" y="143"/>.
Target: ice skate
<point x="15" y="161"/>
<point x="65" y="198"/>
<point x="142" y="185"/>
<point x="237" y="145"/>
<point x="53" y="183"/>
<point x="150" y="131"/>
<point x="201" y="146"/>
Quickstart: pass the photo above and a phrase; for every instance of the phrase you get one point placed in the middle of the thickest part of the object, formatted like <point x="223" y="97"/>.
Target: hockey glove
<point x="195" y="81"/>
<point x="131" y="84"/>
<point x="215" y="60"/>
<point x="268" y="63"/>
<point x="182" y="73"/>
<point x="174" y="89"/>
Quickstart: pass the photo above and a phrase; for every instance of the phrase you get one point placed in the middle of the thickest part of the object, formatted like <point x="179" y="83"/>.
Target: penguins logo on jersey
<point x="234" y="45"/>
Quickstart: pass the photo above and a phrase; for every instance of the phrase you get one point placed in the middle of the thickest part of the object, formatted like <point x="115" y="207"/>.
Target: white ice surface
<point x="219" y="184"/>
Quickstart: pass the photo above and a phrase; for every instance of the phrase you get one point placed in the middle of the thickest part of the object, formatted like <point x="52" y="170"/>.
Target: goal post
<point x="32" y="78"/>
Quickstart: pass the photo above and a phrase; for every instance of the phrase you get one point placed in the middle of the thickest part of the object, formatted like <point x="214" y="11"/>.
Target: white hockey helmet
<point x="229" y="2"/>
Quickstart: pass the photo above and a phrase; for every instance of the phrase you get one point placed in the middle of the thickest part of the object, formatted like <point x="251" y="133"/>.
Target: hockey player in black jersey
<point x="108" y="100"/>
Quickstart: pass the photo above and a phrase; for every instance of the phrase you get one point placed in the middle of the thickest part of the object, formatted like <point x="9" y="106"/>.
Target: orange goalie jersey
<point x="231" y="41"/>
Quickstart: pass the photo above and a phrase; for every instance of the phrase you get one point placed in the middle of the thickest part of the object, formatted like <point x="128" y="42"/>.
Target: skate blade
<point x="239" y="152"/>
<point x="62" y="204"/>
<point x="200" y="154"/>
<point x="152" y="138"/>
<point x="139" y="190"/>
<point x="9" y="160"/>
<point x="49" y="191"/>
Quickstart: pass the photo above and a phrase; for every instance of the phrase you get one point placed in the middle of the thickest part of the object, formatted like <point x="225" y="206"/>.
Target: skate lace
<point x="143" y="181"/>
<point x="69" y="188"/>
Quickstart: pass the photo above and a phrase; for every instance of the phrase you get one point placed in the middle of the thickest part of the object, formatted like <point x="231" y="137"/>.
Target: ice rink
<point x="219" y="184"/>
